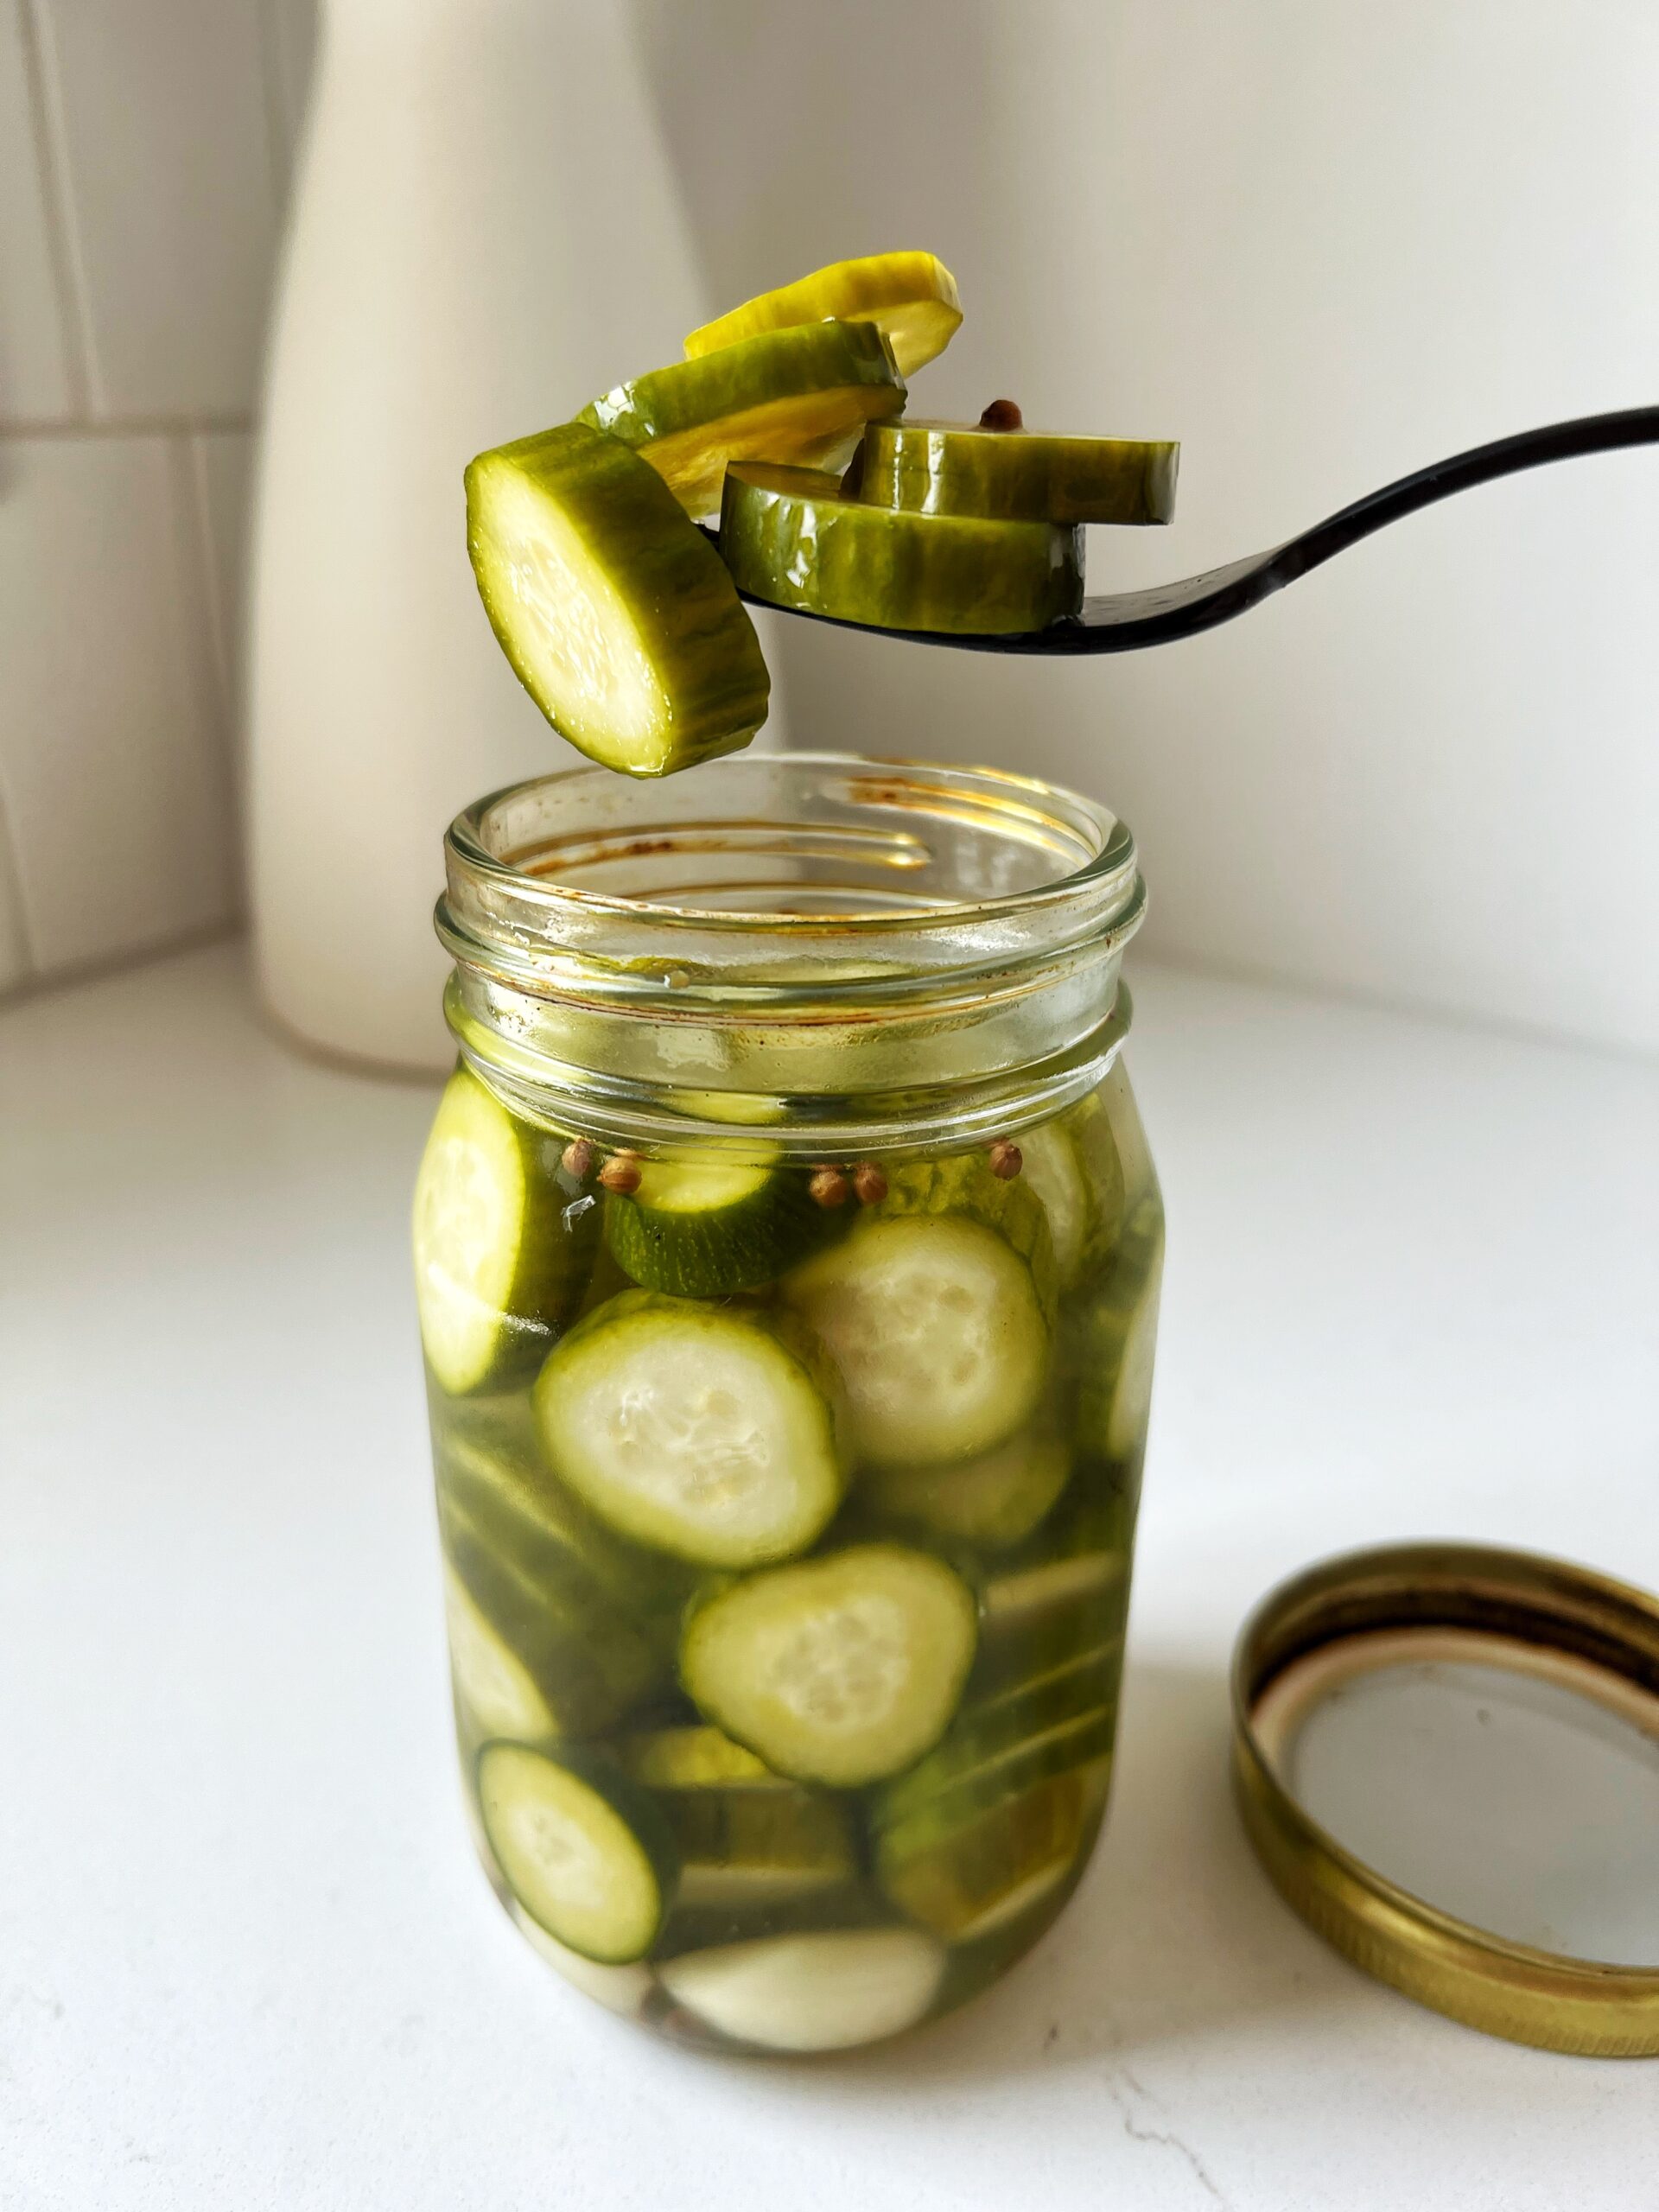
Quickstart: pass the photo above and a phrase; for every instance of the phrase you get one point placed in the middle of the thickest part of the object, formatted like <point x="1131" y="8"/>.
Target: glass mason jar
<point x="787" y="1250"/>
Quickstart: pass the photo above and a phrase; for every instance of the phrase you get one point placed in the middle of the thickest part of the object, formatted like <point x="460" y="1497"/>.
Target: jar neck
<point x="858" y="955"/>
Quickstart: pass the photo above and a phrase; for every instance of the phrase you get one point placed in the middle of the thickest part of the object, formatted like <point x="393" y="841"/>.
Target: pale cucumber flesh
<point x="709" y="1432"/>
<point x="936" y="1326"/>
<point x="839" y="1671"/>
<point x="617" y="616"/>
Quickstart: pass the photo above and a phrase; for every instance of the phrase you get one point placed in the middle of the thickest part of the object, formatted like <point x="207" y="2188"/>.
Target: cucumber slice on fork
<point x="616" y="613"/>
<point x="793" y="537"/>
<point x="1016" y="475"/>
<point x="800" y="395"/>
<point x="911" y="297"/>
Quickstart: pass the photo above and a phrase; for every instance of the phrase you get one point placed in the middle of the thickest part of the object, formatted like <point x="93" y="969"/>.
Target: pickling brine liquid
<point x="787" y="1512"/>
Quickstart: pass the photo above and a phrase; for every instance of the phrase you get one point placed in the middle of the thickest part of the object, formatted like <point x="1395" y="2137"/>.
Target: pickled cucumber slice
<point x="801" y="395"/>
<point x="963" y="468"/>
<point x="747" y="1848"/>
<point x="501" y="1255"/>
<point x="911" y="297"/>
<point x="1017" y="1724"/>
<point x="748" y="1839"/>
<point x="1119" y="1338"/>
<point x="709" y="1433"/>
<point x="1050" y="1168"/>
<point x="498" y="1691"/>
<point x="693" y="1759"/>
<point x="587" y="1855"/>
<point x="840" y="1670"/>
<point x="994" y="1500"/>
<point x="702" y="1229"/>
<point x="791" y="537"/>
<point x="962" y="1183"/>
<point x="500" y="1499"/>
<point x="617" y="617"/>
<point x="1027" y="1592"/>
<point x="935" y="1324"/>
<point x="965" y="1873"/>
<point x="588" y="1661"/>
<point x="1074" y="1166"/>
<point x="1023" y="1647"/>
<point x="811" y="1992"/>
<point x="1128" y="1403"/>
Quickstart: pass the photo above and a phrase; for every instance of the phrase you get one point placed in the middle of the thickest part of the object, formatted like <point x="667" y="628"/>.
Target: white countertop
<point x="246" y="1958"/>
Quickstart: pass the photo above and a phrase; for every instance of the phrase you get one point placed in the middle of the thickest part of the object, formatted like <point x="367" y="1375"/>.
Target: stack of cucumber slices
<point x="622" y="619"/>
<point x="786" y="1543"/>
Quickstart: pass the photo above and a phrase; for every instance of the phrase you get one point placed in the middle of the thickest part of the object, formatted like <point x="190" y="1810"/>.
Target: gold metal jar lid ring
<point x="1468" y="1600"/>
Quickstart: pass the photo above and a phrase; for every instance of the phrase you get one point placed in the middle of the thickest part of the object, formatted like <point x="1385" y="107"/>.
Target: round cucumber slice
<point x="840" y="1670"/>
<point x="937" y="1327"/>
<point x="801" y="395"/>
<point x="499" y="1692"/>
<point x="588" y="1856"/>
<point x="709" y="1433"/>
<point x="499" y="1264"/>
<point x="994" y="1500"/>
<point x="703" y="1229"/>
<point x="811" y="1991"/>
<point x="911" y="297"/>
<point x="616" y="613"/>
<point x="962" y="468"/>
<point x="792" y="539"/>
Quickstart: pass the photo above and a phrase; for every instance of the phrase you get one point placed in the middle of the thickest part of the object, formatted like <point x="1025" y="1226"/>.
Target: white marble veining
<point x="245" y="1959"/>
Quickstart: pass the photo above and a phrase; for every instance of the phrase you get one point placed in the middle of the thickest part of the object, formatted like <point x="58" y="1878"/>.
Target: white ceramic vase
<point x="486" y="233"/>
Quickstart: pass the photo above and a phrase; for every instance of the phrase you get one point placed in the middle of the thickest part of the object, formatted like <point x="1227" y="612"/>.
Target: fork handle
<point x="1127" y="621"/>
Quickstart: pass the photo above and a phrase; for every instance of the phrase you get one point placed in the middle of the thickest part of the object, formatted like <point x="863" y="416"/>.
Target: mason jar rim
<point x="503" y="906"/>
<point x="810" y="939"/>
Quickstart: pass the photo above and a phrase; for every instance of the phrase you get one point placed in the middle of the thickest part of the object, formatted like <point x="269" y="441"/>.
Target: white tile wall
<point x="124" y="832"/>
<point x="222" y="478"/>
<point x="144" y="153"/>
<point x="37" y="379"/>
<point x="165" y="146"/>
<point x="13" y="936"/>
